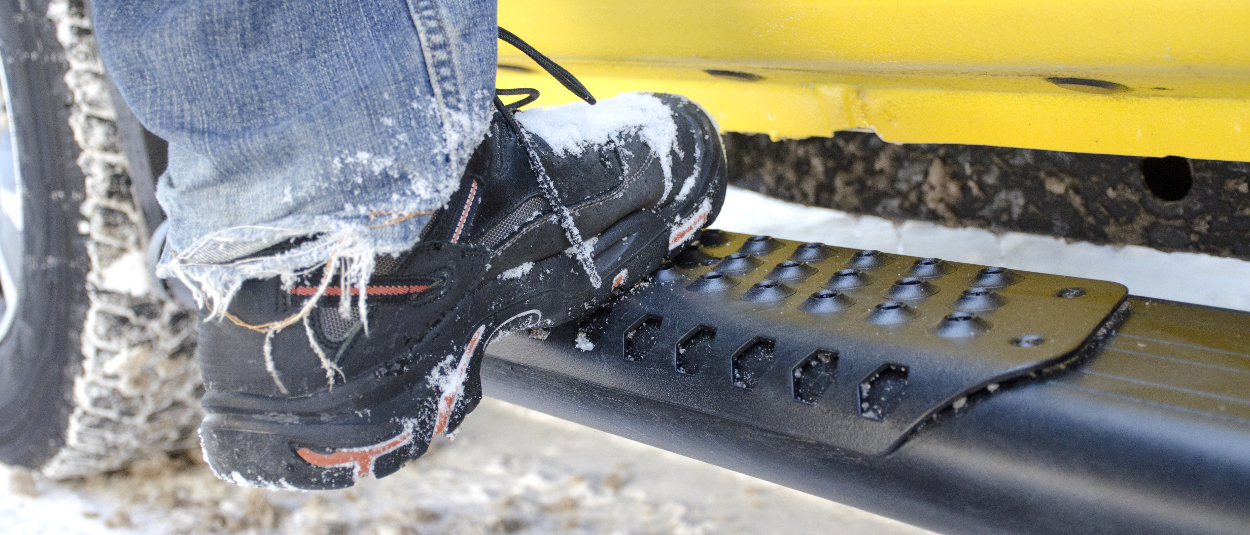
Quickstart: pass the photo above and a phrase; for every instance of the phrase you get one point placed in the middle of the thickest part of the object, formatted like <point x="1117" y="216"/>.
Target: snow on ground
<point x="512" y="470"/>
<point x="1187" y="277"/>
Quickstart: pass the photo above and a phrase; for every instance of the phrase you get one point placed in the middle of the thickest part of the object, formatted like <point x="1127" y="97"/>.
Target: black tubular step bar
<point x="954" y="397"/>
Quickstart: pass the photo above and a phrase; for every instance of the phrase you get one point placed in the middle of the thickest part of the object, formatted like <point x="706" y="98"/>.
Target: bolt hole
<point x="847" y="273"/>
<point x="927" y="261"/>
<point x="890" y="305"/>
<point x="826" y="294"/>
<point x="992" y="270"/>
<point x="810" y="245"/>
<point x="867" y="254"/>
<point x="737" y="256"/>
<point x="766" y="284"/>
<point x="758" y="238"/>
<point x="959" y="316"/>
<point x="790" y="264"/>
<point x="908" y="281"/>
<point x="1087" y="85"/>
<point x="1071" y="293"/>
<point x="734" y="75"/>
<point x="712" y="275"/>
<point x="1169" y="179"/>
<point x="1028" y="340"/>
<point x="976" y="292"/>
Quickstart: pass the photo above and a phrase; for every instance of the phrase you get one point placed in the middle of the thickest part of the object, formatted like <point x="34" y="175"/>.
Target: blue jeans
<point x="343" y="121"/>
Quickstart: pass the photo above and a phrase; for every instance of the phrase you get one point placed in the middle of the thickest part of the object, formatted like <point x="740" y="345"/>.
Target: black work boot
<point x="549" y="220"/>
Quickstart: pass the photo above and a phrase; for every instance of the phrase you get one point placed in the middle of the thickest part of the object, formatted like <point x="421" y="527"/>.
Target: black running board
<point x="1060" y="406"/>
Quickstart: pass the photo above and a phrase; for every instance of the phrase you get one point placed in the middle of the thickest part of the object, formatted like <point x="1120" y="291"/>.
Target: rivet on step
<point x="712" y="281"/>
<point x="767" y="291"/>
<point x="812" y="252"/>
<point x="891" y="313"/>
<point x="867" y="259"/>
<point x="979" y="299"/>
<point x="667" y="272"/>
<point x="760" y="245"/>
<point x="910" y="288"/>
<point x="928" y="268"/>
<point x="791" y="270"/>
<point x="826" y="301"/>
<point x="738" y="263"/>
<point x="848" y="279"/>
<point x="995" y="277"/>
<point x="961" y="325"/>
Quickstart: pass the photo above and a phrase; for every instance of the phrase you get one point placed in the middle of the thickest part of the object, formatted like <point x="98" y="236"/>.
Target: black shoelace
<point x="581" y="250"/>
<point x="555" y="70"/>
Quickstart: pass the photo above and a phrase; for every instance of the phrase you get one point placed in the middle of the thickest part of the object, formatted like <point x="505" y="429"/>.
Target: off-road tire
<point x="98" y="368"/>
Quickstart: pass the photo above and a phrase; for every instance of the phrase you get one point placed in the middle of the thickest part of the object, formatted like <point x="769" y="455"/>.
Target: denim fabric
<point x="341" y="119"/>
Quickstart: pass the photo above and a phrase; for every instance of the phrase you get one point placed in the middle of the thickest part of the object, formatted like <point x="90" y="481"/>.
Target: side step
<point x="951" y="396"/>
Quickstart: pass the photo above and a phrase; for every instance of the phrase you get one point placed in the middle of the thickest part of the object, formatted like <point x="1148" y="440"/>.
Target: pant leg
<point x="339" y="119"/>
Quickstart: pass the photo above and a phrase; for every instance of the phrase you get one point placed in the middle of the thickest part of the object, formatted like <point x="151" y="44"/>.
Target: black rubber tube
<point x="1102" y="448"/>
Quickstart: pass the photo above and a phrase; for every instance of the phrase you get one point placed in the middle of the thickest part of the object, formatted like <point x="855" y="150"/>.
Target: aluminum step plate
<point x="847" y="347"/>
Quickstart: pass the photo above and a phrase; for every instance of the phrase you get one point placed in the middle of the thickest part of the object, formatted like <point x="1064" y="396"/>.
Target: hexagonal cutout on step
<point x="641" y="337"/>
<point x="694" y="349"/>
<point x="752" y="361"/>
<point x="814" y="374"/>
<point x="881" y="392"/>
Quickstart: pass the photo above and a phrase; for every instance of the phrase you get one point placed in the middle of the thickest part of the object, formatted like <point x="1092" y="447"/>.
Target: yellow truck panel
<point x="1147" y="77"/>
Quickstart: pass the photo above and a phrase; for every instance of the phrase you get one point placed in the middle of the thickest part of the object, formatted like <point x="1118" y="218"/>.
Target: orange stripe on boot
<point x="363" y="457"/>
<point x="335" y="291"/>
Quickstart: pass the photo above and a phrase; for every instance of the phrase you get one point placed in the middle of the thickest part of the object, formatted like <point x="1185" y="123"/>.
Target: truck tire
<point x="96" y="362"/>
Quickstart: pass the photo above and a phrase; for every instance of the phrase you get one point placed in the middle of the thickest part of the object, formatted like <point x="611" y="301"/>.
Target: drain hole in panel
<point x="641" y="338"/>
<point x="752" y="361"/>
<point x="694" y="349"/>
<point x="881" y="392"/>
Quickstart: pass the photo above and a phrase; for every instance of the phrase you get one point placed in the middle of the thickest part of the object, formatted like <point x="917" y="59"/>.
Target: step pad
<point x="848" y="347"/>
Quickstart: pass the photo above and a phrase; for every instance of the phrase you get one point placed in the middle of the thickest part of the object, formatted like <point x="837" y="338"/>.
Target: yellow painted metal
<point x="1144" y="77"/>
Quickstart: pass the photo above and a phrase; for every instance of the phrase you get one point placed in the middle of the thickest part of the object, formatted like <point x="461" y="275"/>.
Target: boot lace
<point x="581" y="250"/>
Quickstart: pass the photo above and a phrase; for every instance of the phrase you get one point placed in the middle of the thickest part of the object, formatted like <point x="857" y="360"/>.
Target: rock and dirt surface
<point x="510" y="470"/>
<point x="1173" y="204"/>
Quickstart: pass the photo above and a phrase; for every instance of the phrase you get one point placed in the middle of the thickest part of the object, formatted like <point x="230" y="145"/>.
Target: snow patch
<point x="573" y="250"/>
<point x="572" y="128"/>
<point x="517" y="272"/>
<point x="583" y="342"/>
<point x="1187" y="277"/>
<point x="127" y="274"/>
<point x="688" y="185"/>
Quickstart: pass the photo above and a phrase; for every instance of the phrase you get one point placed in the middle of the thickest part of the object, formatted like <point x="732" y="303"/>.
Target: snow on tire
<point x="98" y="367"/>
